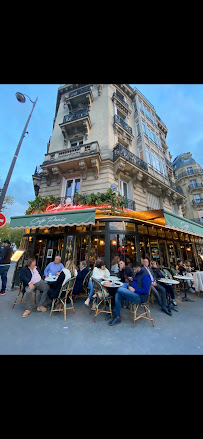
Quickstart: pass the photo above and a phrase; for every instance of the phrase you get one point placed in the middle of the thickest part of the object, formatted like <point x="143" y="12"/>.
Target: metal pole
<point x="5" y="187"/>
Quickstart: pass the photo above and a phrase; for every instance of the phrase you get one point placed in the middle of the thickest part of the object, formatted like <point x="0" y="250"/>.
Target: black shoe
<point x="174" y="306"/>
<point x="115" y="321"/>
<point x="166" y="310"/>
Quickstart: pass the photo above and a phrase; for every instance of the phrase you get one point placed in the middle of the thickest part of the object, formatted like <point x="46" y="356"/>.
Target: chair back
<point x="98" y="289"/>
<point x="86" y="281"/>
<point x="67" y="287"/>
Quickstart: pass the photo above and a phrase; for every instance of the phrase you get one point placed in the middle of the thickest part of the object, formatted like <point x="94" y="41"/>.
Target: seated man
<point x="125" y="272"/>
<point x="32" y="281"/>
<point x="137" y="292"/>
<point x="156" y="288"/>
<point x="54" y="267"/>
<point x="78" y="287"/>
<point x="159" y="274"/>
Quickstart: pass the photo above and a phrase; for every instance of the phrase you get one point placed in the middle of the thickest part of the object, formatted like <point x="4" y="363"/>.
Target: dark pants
<point x="3" y="273"/>
<point x="156" y="290"/>
<point x="125" y="294"/>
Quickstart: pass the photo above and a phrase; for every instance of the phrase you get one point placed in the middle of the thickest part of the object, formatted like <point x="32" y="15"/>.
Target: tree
<point x="13" y="235"/>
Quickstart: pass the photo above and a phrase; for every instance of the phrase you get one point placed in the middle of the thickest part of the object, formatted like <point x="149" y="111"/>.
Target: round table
<point x="184" y="278"/>
<point x="51" y="279"/>
<point x="112" y="287"/>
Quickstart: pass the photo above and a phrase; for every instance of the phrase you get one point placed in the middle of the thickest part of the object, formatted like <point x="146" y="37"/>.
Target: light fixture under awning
<point x="70" y="218"/>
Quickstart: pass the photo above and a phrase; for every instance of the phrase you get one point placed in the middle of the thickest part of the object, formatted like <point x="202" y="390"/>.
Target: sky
<point x="180" y="106"/>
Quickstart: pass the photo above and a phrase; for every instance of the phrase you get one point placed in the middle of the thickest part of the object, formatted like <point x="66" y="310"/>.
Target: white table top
<point x="113" y="284"/>
<point x="51" y="278"/>
<point x="168" y="281"/>
<point x="178" y="276"/>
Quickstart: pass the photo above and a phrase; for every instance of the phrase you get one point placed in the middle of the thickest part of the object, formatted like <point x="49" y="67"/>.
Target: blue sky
<point x="180" y="106"/>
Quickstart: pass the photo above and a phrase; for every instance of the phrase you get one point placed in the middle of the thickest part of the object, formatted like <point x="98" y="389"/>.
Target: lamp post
<point x="21" y="98"/>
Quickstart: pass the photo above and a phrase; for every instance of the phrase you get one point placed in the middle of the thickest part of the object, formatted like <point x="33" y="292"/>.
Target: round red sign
<point x="2" y="219"/>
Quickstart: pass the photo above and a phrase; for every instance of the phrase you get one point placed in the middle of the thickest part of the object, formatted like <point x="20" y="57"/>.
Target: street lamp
<point x="21" y="98"/>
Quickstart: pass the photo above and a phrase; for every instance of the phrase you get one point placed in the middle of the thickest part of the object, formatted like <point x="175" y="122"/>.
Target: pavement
<point x="179" y="334"/>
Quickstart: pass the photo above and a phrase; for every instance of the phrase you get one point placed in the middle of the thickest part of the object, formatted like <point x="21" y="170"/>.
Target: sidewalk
<point x="181" y="333"/>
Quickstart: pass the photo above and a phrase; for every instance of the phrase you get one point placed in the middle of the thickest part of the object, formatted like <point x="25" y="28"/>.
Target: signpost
<point x="2" y="219"/>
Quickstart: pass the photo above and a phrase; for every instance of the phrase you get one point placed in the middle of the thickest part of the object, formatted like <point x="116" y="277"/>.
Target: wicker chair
<point x="59" y="303"/>
<point x="101" y="299"/>
<point x="22" y="294"/>
<point x="146" y="314"/>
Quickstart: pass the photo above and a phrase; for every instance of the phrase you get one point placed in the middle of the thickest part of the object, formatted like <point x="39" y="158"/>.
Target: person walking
<point x="6" y="254"/>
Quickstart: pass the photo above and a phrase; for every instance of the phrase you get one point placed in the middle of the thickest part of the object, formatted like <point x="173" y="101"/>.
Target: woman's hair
<point x="71" y="266"/>
<point x="29" y="261"/>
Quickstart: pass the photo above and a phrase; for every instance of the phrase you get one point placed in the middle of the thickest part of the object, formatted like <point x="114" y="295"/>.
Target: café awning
<point x="167" y="219"/>
<point x="70" y="218"/>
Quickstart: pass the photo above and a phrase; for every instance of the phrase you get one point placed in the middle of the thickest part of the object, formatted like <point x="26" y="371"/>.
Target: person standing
<point x="5" y="261"/>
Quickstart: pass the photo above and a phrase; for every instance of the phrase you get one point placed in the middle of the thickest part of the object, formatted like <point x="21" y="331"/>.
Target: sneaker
<point x="191" y="290"/>
<point x="115" y="321"/>
<point x="87" y="302"/>
<point x="2" y="293"/>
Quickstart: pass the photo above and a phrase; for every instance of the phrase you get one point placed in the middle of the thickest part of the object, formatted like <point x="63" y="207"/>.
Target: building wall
<point x="103" y="172"/>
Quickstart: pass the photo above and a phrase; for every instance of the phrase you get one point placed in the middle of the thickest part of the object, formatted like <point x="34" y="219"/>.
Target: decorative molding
<point x="46" y="173"/>
<point x="55" y="171"/>
<point x="95" y="166"/>
<point x="83" y="168"/>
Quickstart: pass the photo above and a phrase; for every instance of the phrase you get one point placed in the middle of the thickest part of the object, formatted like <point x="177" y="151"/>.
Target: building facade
<point x="109" y="136"/>
<point x="189" y="175"/>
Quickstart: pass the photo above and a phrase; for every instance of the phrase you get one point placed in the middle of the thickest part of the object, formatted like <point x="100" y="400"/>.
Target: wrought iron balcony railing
<point x="77" y="115"/>
<point x="198" y="201"/>
<point x="121" y="151"/>
<point x="123" y="124"/>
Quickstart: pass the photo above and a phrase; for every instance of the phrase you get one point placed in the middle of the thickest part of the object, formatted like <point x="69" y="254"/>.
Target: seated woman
<point x="100" y="272"/>
<point x="114" y="266"/>
<point x="67" y="272"/>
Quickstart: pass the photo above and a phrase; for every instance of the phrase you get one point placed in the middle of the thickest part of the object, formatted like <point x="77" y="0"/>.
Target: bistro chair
<point x="146" y="314"/>
<point x="21" y="293"/>
<point x="85" y="291"/>
<point x="59" y="303"/>
<point x="101" y="299"/>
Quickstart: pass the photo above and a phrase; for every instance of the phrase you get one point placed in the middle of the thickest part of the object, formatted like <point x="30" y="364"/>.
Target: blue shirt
<point x="53" y="268"/>
<point x="146" y="282"/>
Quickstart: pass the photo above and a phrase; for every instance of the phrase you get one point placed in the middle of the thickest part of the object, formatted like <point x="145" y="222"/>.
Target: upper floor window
<point x="73" y="186"/>
<point x="76" y="142"/>
<point x="190" y="170"/>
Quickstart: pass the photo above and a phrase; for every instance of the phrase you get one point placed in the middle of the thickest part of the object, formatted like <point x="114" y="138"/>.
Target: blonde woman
<point x="68" y="271"/>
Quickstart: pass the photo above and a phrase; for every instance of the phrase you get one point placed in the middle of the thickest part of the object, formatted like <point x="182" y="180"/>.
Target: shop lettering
<point x="47" y="221"/>
<point x="184" y="226"/>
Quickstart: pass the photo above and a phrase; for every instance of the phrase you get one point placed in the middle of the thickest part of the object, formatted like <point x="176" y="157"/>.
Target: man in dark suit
<point x="78" y="287"/>
<point x="156" y="288"/>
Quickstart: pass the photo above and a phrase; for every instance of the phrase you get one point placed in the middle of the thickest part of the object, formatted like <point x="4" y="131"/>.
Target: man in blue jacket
<point x="136" y="292"/>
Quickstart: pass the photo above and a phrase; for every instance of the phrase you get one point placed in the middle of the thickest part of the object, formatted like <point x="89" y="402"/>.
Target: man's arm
<point x="46" y="271"/>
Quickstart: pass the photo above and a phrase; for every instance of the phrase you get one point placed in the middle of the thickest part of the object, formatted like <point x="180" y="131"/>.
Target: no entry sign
<point x="2" y="219"/>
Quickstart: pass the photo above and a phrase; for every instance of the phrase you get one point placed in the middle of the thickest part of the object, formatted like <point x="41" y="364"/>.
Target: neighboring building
<point x="189" y="175"/>
<point x="106" y="134"/>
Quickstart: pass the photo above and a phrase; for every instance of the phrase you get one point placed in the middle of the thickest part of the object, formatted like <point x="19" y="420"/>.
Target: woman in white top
<point x="68" y="271"/>
<point x="100" y="272"/>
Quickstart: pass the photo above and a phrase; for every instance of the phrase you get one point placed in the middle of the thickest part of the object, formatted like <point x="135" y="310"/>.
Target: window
<point x="73" y="186"/>
<point x="156" y="162"/>
<point x="197" y="197"/>
<point x="124" y="188"/>
<point x="190" y="170"/>
<point x="144" y="128"/>
<point x="76" y="142"/>
<point x="138" y="129"/>
<point x="193" y="183"/>
<point x="140" y="105"/>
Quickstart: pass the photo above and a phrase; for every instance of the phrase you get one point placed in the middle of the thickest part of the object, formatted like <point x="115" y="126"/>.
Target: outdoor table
<point x="51" y="279"/>
<point x="198" y="281"/>
<point x="169" y="282"/>
<point x="184" y="278"/>
<point x="112" y="287"/>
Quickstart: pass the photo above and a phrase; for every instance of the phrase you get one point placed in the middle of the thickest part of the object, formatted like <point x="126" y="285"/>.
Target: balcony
<point x="121" y="151"/>
<point x="76" y="121"/>
<point x="188" y="173"/>
<point x="193" y="186"/>
<point x="197" y="201"/>
<point x="121" y="123"/>
<point x="121" y="104"/>
<point x="82" y="95"/>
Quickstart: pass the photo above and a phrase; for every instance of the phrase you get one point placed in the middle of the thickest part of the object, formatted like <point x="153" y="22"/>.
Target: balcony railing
<point x="195" y="185"/>
<point x="176" y="187"/>
<point x="120" y="99"/>
<point x="121" y="151"/>
<point x="77" y="115"/>
<point x="198" y="201"/>
<point x="187" y="173"/>
<point x="123" y="124"/>
<point x="79" y="91"/>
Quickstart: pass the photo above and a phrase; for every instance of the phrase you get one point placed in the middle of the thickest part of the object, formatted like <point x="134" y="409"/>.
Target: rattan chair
<point x="85" y="292"/>
<point x="22" y="294"/>
<point x="146" y="314"/>
<point x="59" y="303"/>
<point x="100" y="299"/>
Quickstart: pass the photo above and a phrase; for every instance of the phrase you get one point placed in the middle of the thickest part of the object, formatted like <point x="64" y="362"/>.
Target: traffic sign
<point x="2" y="219"/>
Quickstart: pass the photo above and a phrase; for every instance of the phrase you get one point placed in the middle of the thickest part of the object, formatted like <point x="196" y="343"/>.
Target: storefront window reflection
<point x="124" y="247"/>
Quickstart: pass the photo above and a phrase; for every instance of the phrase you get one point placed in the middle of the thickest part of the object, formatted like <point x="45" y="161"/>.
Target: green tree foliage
<point x="13" y="235"/>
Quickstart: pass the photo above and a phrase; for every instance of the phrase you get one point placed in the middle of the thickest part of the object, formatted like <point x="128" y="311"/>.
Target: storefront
<point x="88" y="233"/>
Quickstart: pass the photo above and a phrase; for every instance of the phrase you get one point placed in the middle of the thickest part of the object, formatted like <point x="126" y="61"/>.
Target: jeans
<point x="125" y="294"/>
<point x="91" y="289"/>
<point x="3" y="273"/>
<point x="162" y="290"/>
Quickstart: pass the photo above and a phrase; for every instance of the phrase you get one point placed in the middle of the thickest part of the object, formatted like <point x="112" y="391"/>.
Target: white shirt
<point x="99" y="273"/>
<point x="68" y="275"/>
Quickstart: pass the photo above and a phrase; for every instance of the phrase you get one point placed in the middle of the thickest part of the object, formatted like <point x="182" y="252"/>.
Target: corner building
<point x="109" y="135"/>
